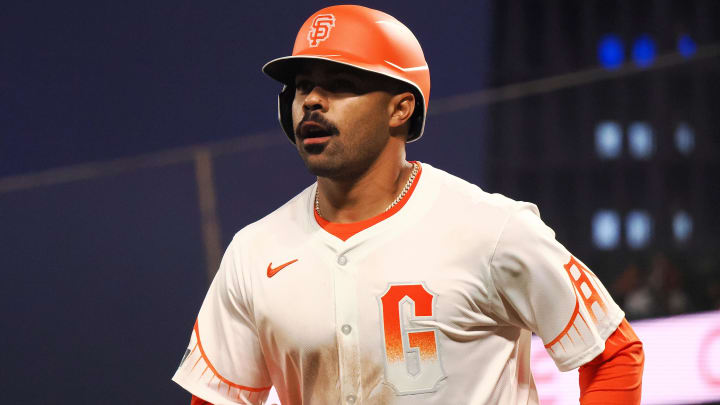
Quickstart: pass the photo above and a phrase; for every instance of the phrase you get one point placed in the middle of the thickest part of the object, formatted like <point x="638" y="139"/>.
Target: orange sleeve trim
<point x="344" y="231"/>
<point x="198" y="401"/>
<point x="615" y="375"/>
<point x="221" y="378"/>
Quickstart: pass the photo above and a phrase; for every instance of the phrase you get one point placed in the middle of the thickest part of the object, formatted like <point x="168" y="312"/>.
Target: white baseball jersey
<point x="435" y="304"/>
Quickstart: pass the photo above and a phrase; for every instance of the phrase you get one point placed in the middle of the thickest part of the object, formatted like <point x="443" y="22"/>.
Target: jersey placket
<point x="346" y="327"/>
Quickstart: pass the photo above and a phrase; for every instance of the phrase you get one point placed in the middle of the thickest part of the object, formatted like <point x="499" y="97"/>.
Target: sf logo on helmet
<point x="320" y="29"/>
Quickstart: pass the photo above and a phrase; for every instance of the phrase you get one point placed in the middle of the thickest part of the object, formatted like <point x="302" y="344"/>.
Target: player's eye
<point x="343" y="86"/>
<point x="304" y="86"/>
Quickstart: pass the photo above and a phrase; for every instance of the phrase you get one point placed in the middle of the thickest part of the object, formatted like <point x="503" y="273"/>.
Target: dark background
<point x="104" y="107"/>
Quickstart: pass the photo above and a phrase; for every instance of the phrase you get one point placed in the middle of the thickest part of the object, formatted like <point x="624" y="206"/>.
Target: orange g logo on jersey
<point x="412" y="359"/>
<point x="320" y="29"/>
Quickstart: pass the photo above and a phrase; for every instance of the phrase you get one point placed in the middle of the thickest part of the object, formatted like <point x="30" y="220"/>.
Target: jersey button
<point x="346" y="329"/>
<point x="350" y="399"/>
<point x="342" y="260"/>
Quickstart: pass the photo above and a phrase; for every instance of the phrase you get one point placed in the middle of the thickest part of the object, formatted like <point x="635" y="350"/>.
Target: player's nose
<point x="316" y="99"/>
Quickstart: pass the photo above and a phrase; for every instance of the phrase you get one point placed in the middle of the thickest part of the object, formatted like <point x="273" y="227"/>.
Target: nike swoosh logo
<point x="271" y="272"/>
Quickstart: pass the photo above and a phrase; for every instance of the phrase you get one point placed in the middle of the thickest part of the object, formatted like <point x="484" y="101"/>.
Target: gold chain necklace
<point x="400" y="196"/>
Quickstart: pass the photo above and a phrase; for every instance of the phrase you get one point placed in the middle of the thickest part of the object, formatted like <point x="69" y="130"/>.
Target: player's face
<point x="341" y="118"/>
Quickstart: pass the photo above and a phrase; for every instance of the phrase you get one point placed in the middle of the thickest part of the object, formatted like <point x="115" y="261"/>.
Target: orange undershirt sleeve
<point x="197" y="401"/>
<point x="615" y="375"/>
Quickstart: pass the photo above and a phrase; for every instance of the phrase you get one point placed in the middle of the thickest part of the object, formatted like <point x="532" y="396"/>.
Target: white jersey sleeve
<point x="542" y="287"/>
<point x="223" y="363"/>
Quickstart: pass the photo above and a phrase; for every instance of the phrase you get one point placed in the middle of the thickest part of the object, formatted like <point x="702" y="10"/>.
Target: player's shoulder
<point x="461" y="196"/>
<point x="288" y="219"/>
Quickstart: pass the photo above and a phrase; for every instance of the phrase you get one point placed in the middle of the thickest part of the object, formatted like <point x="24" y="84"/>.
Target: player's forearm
<point x="615" y="376"/>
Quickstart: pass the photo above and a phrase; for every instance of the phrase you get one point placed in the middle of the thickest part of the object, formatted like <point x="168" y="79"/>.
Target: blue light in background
<point x="610" y="51"/>
<point x="606" y="229"/>
<point x="684" y="138"/>
<point x="608" y="139"/>
<point x="682" y="226"/>
<point x="638" y="228"/>
<point x="686" y="46"/>
<point x="643" y="51"/>
<point x="641" y="140"/>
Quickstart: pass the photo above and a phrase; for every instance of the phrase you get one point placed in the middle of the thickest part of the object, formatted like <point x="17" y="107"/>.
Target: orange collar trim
<point x="344" y="231"/>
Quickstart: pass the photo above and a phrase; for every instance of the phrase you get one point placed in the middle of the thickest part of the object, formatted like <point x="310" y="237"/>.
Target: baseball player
<point x="388" y="281"/>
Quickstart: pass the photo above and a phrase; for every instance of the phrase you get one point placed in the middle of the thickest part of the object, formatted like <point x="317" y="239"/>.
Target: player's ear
<point x="402" y="106"/>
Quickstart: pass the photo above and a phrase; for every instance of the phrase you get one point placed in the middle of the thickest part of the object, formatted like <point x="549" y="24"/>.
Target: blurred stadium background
<point x="137" y="137"/>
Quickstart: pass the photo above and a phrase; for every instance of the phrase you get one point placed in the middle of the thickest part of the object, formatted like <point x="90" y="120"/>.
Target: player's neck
<point x="346" y="201"/>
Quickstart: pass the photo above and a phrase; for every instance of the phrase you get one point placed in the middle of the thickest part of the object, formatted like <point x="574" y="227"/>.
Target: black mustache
<point x="314" y="116"/>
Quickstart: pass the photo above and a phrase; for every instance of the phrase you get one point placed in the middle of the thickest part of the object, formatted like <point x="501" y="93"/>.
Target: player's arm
<point x="223" y="361"/>
<point x="542" y="287"/>
<point x="615" y="375"/>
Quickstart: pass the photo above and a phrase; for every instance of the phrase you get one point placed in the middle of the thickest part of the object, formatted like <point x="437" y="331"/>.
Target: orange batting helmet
<point x="363" y="38"/>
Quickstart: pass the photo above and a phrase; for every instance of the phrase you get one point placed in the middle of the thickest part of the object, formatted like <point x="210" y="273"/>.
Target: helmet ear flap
<point x="285" y="100"/>
<point x="417" y="120"/>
